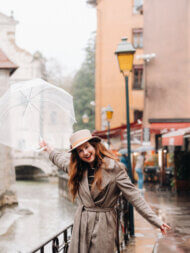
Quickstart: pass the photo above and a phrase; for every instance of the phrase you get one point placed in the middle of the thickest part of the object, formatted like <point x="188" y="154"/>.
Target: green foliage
<point x="83" y="88"/>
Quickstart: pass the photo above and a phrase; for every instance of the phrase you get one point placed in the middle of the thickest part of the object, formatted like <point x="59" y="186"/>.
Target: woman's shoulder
<point x="113" y="165"/>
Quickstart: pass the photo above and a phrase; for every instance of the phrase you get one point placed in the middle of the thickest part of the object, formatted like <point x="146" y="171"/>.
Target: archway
<point x="28" y="172"/>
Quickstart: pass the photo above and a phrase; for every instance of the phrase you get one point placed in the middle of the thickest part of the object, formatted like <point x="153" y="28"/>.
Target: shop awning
<point x="169" y="125"/>
<point x="175" y="138"/>
<point x="117" y="130"/>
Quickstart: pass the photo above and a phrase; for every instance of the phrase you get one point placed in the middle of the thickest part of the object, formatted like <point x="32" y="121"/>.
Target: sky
<point x="59" y="29"/>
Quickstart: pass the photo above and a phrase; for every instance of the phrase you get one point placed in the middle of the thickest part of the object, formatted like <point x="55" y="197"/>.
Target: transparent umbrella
<point x="144" y="149"/>
<point x="35" y="109"/>
<point x="124" y="151"/>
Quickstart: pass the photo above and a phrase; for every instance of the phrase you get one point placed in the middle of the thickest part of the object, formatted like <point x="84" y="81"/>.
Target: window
<point x="138" y="77"/>
<point x="138" y="115"/>
<point x="158" y="141"/>
<point x="138" y="38"/>
<point x="138" y="6"/>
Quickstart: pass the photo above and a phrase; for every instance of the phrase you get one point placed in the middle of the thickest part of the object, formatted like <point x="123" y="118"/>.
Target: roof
<point x="7" y="20"/>
<point x="116" y="131"/>
<point x="5" y="63"/>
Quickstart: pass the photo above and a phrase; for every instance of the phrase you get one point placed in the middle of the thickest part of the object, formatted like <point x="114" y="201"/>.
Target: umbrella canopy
<point x="36" y="109"/>
<point x="144" y="149"/>
<point x="125" y="151"/>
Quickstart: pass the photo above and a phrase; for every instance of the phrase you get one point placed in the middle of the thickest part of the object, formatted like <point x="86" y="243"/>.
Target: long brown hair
<point x="77" y="167"/>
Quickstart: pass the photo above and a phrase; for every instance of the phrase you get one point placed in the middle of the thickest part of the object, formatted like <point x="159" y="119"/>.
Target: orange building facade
<point x="115" y="20"/>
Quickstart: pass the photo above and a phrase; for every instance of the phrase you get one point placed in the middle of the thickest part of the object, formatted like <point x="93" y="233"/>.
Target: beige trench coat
<point x="94" y="228"/>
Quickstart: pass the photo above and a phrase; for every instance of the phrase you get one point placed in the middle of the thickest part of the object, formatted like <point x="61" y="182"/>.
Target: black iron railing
<point x="58" y="243"/>
<point x="123" y="223"/>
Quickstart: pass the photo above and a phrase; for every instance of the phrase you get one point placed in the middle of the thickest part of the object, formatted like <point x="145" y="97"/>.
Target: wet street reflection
<point x="173" y="209"/>
<point x="41" y="214"/>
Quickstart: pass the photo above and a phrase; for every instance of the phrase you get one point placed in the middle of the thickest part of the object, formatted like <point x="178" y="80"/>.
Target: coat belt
<point x="98" y="209"/>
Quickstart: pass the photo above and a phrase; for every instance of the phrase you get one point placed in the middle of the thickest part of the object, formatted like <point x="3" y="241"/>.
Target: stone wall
<point x="7" y="173"/>
<point x="63" y="186"/>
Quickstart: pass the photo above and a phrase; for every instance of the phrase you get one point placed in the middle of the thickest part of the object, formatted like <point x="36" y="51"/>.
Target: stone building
<point x="16" y="65"/>
<point x="7" y="174"/>
<point x="30" y="66"/>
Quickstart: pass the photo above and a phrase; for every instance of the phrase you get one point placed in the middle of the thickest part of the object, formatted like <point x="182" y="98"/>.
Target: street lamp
<point x="109" y="115"/>
<point x="125" y="54"/>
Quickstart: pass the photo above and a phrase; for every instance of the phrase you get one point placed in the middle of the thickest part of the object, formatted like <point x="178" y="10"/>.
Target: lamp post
<point x="109" y="115"/>
<point x="125" y="54"/>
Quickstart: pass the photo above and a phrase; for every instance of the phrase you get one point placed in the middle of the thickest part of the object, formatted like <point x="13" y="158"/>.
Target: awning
<point x="175" y="138"/>
<point x="169" y="126"/>
<point x="117" y="131"/>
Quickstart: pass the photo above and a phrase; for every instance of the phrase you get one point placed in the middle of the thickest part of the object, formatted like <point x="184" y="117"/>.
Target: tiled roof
<point x="5" y="63"/>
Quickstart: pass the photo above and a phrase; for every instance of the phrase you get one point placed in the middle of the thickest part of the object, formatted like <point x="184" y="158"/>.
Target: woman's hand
<point x="164" y="228"/>
<point x="46" y="147"/>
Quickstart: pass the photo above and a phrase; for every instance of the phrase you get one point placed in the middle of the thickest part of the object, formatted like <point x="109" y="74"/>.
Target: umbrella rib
<point x="8" y="109"/>
<point x="30" y="94"/>
<point x="28" y="102"/>
<point x="35" y="107"/>
<point x="39" y="92"/>
<point x="30" y="107"/>
<point x="37" y="110"/>
<point x="23" y="94"/>
<point x="61" y="107"/>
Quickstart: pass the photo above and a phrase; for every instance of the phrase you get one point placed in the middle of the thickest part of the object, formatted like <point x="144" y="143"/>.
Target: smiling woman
<point x="97" y="178"/>
<point x="86" y="153"/>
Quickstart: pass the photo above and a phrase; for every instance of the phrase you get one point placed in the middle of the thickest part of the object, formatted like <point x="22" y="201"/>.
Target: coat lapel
<point x="106" y="178"/>
<point x="85" y="187"/>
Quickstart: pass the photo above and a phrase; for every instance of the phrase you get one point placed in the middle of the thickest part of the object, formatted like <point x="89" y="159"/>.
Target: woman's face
<point x="87" y="153"/>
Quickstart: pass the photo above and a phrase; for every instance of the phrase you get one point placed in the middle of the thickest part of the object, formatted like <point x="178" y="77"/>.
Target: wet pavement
<point x="173" y="209"/>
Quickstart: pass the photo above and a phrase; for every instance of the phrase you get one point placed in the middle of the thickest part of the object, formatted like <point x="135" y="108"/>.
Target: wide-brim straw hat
<point x="80" y="137"/>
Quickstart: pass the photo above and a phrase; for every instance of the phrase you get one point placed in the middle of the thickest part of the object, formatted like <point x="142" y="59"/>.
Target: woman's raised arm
<point x="60" y="159"/>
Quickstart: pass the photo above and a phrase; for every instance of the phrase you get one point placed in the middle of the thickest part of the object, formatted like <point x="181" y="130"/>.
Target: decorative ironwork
<point x="123" y="223"/>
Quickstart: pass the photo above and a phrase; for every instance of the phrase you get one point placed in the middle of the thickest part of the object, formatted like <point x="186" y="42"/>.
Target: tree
<point x="54" y="74"/>
<point x="83" y="88"/>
